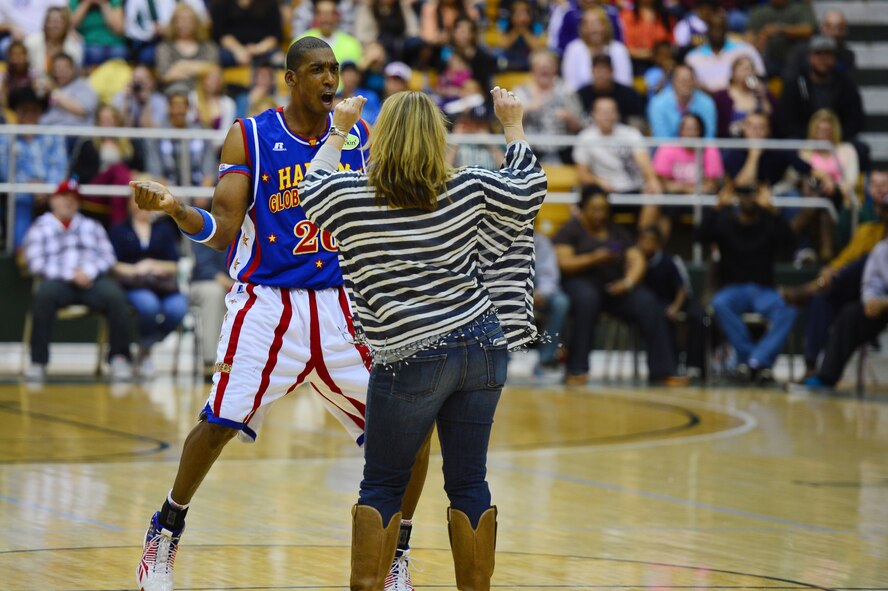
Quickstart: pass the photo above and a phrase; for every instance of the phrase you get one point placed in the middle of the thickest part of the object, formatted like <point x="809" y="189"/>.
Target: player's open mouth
<point x="327" y="99"/>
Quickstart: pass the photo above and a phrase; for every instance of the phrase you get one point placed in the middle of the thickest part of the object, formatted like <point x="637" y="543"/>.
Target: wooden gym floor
<point x="598" y="488"/>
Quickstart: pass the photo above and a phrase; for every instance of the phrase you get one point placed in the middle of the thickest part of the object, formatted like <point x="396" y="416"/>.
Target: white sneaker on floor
<point x="121" y="369"/>
<point x="155" y="570"/>
<point x="35" y="373"/>
<point x="146" y="368"/>
<point x="398" y="578"/>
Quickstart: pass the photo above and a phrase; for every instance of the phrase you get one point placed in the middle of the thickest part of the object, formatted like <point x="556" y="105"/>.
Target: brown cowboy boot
<point x="473" y="549"/>
<point x="373" y="548"/>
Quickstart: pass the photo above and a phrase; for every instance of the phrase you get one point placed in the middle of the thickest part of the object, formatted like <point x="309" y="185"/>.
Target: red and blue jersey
<point x="277" y="245"/>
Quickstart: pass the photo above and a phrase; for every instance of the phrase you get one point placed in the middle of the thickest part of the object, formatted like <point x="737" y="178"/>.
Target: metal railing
<point x="697" y="200"/>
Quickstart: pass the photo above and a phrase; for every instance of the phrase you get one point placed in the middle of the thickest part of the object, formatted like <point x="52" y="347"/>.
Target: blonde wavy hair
<point x="201" y="33"/>
<point x="829" y="116"/>
<point x="408" y="164"/>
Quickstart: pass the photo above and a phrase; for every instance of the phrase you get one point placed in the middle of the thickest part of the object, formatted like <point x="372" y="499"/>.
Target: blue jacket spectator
<point x="669" y="106"/>
<point x="38" y="158"/>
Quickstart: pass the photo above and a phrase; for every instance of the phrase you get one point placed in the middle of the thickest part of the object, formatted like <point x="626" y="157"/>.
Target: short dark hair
<point x="300" y="48"/>
<point x="652" y="231"/>
<point x="64" y="56"/>
<point x="24" y="96"/>
<point x="603" y="59"/>
<point x="590" y="191"/>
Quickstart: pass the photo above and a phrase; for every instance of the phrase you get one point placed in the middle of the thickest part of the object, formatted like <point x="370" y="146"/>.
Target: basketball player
<point x="288" y="319"/>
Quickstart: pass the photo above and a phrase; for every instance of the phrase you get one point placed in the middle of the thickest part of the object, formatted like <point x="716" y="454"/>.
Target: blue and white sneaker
<point x="809" y="385"/>
<point x="155" y="571"/>
<point x="398" y="578"/>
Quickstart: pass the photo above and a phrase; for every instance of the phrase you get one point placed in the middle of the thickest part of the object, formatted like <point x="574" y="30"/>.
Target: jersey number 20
<point x="307" y="233"/>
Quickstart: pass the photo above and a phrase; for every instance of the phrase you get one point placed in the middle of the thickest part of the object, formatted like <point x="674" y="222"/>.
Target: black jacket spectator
<point x="823" y="86"/>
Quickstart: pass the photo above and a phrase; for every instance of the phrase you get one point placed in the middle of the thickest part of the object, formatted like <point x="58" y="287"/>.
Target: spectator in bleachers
<point x="749" y="239"/>
<point x="679" y="172"/>
<point x="659" y="75"/>
<point x="520" y="39"/>
<point x="100" y="23"/>
<point x="858" y="322"/>
<point x="350" y="76"/>
<point x="644" y="25"/>
<point x="372" y="67"/>
<point x="72" y="257"/>
<point x="834" y="26"/>
<point x="393" y="23"/>
<point x="602" y="270"/>
<point x="629" y="102"/>
<point x="301" y="15"/>
<point x="714" y="60"/>
<point x="452" y="80"/>
<point x="18" y="72"/>
<point x="397" y="77"/>
<point x="163" y="155"/>
<point x="57" y="36"/>
<point x="754" y="165"/>
<point x="145" y="23"/>
<point x="465" y="42"/>
<point x="209" y="284"/>
<point x="38" y="159"/>
<point x="147" y="268"/>
<point x="437" y="20"/>
<point x="667" y="278"/>
<point x="474" y="121"/>
<point x="107" y="161"/>
<point x="596" y="37"/>
<point x="248" y="32"/>
<point x="838" y="283"/>
<point x="549" y="300"/>
<point x="549" y="107"/>
<point x="775" y="28"/>
<point x="746" y="93"/>
<point x="565" y="19"/>
<point x="327" y="18"/>
<point x="139" y="102"/>
<point x="667" y="108"/>
<point x="822" y="86"/>
<point x="72" y="101"/>
<point x="690" y="31"/>
<point x="625" y="169"/>
<point x="20" y="19"/>
<point x="840" y="166"/>
<point x="215" y="109"/>
<point x="264" y="89"/>
<point x="186" y="50"/>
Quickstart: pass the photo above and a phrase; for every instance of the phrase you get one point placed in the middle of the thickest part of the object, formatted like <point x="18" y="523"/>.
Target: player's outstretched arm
<point x="218" y="228"/>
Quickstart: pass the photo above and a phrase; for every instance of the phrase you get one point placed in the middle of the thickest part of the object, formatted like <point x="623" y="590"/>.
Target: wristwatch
<point x="336" y="131"/>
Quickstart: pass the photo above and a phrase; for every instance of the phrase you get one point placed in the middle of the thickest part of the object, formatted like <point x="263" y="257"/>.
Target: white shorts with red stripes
<point x="275" y="339"/>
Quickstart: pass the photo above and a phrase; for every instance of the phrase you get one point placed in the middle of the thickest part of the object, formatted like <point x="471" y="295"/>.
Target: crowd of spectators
<point x="616" y="69"/>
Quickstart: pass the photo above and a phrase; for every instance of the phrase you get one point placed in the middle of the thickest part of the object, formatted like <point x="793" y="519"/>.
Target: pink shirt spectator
<point x="827" y="163"/>
<point x="680" y="164"/>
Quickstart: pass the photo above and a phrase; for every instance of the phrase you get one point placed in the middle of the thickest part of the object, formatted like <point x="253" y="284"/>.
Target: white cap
<point x="399" y="70"/>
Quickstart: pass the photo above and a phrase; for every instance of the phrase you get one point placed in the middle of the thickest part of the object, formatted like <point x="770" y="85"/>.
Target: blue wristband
<point x="207" y="231"/>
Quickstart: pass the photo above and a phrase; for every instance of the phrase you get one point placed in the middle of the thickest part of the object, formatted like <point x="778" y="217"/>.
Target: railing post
<point x="10" y="205"/>
<point x="185" y="163"/>
<point x="698" y="207"/>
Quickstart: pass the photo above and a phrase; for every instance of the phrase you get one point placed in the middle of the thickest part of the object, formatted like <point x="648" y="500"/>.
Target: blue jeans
<point x="557" y="305"/>
<point x="158" y="315"/>
<point x="456" y="384"/>
<point x="96" y="55"/>
<point x="731" y="302"/>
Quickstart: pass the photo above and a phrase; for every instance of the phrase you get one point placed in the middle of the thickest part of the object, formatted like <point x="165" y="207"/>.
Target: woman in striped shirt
<point x="439" y="262"/>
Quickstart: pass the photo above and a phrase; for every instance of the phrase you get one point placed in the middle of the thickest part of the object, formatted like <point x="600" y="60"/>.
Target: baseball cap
<point x="69" y="186"/>
<point x="822" y="43"/>
<point x="399" y="70"/>
<point x="348" y="65"/>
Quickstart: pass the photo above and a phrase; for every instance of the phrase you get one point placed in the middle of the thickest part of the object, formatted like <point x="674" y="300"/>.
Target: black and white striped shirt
<point x="55" y="252"/>
<point x="417" y="275"/>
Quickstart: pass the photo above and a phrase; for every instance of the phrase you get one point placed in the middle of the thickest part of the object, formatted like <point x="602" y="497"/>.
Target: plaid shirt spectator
<point x="54" y="251"/>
